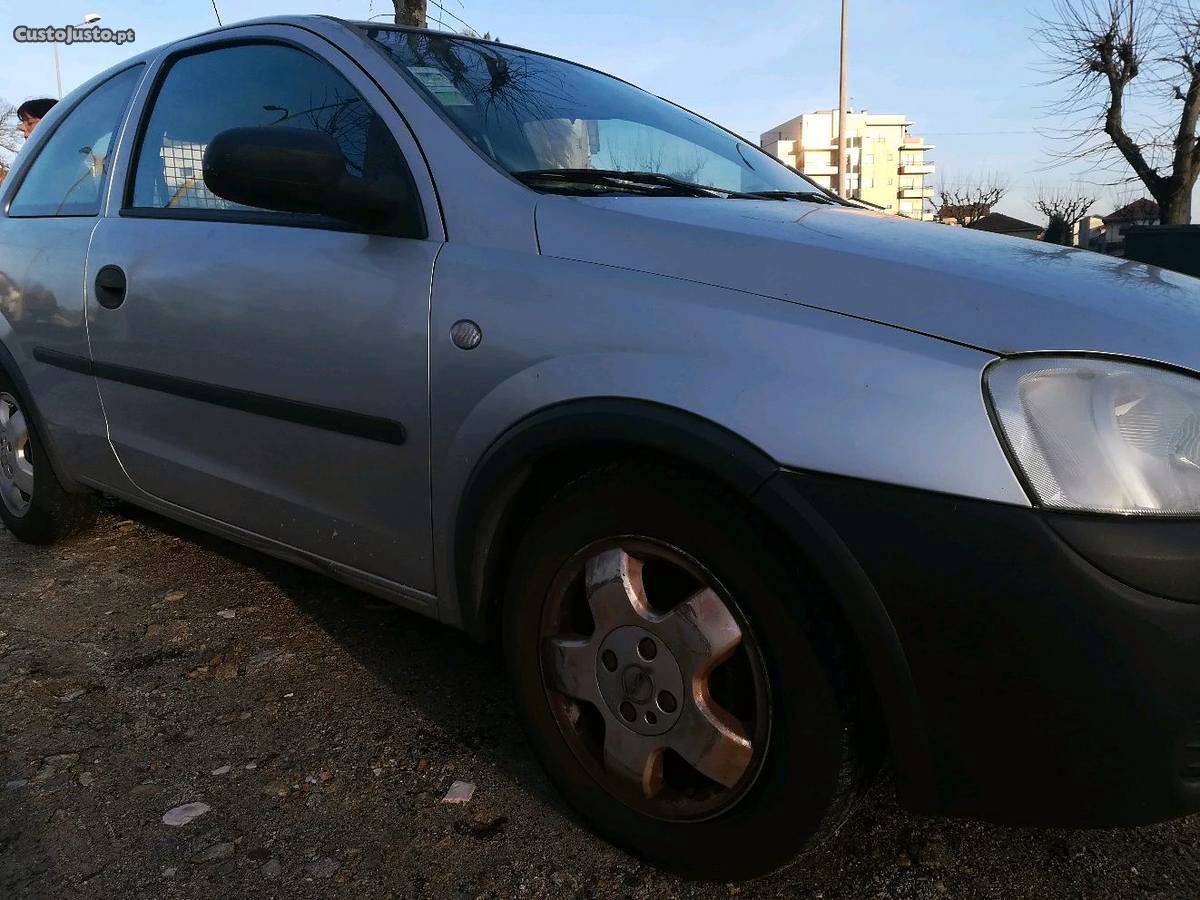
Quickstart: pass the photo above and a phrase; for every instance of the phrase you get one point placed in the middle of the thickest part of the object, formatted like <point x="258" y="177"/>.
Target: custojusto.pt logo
<point x="71" y="34"/>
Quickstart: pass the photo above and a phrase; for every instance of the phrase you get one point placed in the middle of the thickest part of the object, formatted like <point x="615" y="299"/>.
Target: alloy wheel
<point x="16" y="458"/>
<point x="654" y="679"/>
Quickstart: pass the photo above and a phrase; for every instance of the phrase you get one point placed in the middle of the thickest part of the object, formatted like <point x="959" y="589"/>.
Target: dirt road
<point x="145" y="667"/>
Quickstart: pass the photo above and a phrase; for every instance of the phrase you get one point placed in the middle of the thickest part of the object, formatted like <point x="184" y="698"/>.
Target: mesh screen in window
<point x="242" y="86"/>
<point x="183" y="177"/>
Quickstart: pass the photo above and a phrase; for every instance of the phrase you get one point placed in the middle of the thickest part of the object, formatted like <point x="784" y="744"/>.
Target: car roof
<point x="317" y="23"/>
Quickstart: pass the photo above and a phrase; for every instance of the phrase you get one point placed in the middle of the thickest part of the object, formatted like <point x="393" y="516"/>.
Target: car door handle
<point x="110" y="287"/>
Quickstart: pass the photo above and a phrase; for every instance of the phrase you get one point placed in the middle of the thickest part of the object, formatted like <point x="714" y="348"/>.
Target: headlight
<point x="1100" y="435"/>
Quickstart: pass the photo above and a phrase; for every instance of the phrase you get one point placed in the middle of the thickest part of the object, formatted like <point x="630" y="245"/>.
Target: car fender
<point x="552" y="376"/>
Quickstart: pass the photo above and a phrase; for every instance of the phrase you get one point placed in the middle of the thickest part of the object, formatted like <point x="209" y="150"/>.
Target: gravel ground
<point x="146" y="666"/>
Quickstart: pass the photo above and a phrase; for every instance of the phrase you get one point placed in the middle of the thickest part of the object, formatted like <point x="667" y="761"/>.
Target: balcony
<point x="922" y="168"/>
<point x="915" y="193"/>
<point x="911" y="143"/>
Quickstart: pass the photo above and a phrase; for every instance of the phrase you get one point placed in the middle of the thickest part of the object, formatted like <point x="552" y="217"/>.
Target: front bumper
<point x="1047" y="691"/>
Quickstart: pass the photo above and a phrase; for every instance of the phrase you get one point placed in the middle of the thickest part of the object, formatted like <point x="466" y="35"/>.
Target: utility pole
<point x="842" y="92"/>
<point x="89" y="19"/>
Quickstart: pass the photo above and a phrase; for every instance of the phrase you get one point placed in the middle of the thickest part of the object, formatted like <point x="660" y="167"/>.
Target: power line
<point x="459" y="19"/>
<point x="969" y="133"/>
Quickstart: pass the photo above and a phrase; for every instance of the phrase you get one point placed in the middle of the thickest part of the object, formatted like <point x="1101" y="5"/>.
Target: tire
<point x="33" y="503"/>
<point x="675" y="543"/>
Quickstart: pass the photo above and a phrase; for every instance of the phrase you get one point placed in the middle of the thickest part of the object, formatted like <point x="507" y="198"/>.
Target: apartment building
<point x="886" y="166"/>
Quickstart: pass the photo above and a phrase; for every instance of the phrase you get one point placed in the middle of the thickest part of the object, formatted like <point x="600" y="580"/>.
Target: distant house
<point x="953" y="214"/>
<point x="1088" y="233"/>
<point x="998" y="223"/>
<point x="1139" y="212"/>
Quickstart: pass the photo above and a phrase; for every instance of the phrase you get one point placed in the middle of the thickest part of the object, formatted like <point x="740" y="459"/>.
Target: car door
<point x="269" y="370"/>
<point x="52" y="203"/>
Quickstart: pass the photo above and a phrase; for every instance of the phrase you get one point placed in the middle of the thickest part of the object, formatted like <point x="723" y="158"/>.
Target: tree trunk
<point x="1175" y="203"/>
<point x="410" y="12"/>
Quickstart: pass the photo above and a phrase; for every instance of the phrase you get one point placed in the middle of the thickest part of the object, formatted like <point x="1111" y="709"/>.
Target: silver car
<point x="755" y="487"/>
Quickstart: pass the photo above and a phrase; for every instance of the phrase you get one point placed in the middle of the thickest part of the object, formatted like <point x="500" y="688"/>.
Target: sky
<point x="966" y="73"/>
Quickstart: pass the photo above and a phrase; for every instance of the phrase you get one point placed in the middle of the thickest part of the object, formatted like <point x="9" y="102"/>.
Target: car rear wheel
<point x="678" y="679"/>
<point x="33" y="504"/>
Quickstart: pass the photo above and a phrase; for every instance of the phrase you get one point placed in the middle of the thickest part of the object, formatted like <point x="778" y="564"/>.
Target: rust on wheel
<point x="654" y="679"/>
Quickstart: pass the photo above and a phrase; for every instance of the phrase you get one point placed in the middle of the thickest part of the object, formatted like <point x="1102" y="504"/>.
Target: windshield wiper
<point x="658" y="184"/>
<point x="649" y="183"/>
<point x="811" y="196"/>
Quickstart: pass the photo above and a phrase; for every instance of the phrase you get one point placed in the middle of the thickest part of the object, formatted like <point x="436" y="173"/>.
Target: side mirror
<point x="303" y="171"/>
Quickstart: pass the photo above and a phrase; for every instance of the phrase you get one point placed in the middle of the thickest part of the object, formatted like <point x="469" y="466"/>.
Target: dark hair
<point x="35" y="109"/>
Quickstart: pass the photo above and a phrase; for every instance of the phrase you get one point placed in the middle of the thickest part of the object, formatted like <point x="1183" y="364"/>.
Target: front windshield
<point x="532" y="113"/>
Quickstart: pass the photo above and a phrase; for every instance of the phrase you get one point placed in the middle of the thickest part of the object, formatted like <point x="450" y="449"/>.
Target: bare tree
<point x="689" y="164"/>
<point x="1062" y="207"/>
<point x="410" y="12"/>
<point x="1125" y="194"/>
<point x="967" y="200"/>
<point x="522" y="87"/>
<point x="1107" y="54"/>
<point x="637" y="152"/>
<point x="10" y="136"/>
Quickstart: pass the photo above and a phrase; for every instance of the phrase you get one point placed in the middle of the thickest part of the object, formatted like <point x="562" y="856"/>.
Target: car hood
<point x="1002" y="294"/>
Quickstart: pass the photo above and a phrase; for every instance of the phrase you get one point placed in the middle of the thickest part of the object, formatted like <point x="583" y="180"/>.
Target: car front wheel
<point x="680" y="681"/>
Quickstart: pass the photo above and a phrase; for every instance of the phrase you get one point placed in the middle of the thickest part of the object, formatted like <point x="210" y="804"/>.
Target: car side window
<point x="247" y="85"/>
<point x="67" y="178"/>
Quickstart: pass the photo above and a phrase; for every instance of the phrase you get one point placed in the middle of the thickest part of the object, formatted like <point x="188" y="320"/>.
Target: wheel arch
<point x="545" y="450"/>
<point x="12" y="371"/>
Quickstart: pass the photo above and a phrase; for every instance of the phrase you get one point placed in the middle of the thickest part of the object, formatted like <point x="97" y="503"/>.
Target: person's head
<point x="31" y="112"/>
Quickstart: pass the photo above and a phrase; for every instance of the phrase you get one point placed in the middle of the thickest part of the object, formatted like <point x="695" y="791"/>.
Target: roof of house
<point x="1141" y="210"/>
<point x="957" y="212"/>
<point x="1002" y="224"/>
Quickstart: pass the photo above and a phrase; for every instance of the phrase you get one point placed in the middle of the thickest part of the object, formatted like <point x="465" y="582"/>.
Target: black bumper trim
<point x="1051" y="693"/>
<point x="1159" y="556"/>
